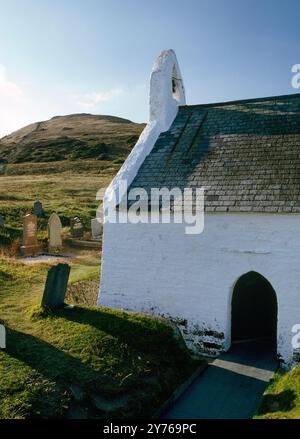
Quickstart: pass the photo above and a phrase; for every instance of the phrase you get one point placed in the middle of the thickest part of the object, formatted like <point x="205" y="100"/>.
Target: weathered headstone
<point x="54" y="233"/>
<point x="30" y="243"/>
<point x="96" y="228"/>
<point x="77" y="228"/>
<point x="56" y="286"/>
<point x="38" y="208"/>
<point x="2" y="222"/>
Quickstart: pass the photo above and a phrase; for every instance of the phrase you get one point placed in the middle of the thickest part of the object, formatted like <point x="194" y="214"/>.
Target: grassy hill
<point x="73" y="137"/>
<point x="63" y="162"/>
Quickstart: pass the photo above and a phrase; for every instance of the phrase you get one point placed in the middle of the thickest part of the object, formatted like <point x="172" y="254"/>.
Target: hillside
<point x="87" y="363"/>
<point x="62" y="162"/>
<point x="72" y="137"/>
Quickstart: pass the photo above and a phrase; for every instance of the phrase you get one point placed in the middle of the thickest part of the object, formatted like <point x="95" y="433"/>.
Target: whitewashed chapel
<point x="240" y="278"/>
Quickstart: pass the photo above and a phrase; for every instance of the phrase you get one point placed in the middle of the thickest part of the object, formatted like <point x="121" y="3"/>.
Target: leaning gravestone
<point x="30" y="243"/>
<point x="96" y="227"/>
<point x="54" y="233"/>
<point x="56" y="286"/>
<point x="38" y="208"/>
<point x="2" y="222"/>
<point x="77" y="228"/>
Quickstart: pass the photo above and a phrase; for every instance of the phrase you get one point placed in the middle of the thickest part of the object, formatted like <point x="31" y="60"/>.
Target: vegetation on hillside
<point x="63" y="163"/>
<point x="73" y="137"/>
<point x="69" y="193"/>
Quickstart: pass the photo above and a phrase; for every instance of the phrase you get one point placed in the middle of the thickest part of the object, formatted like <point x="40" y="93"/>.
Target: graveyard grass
<point x="69" y="189"/>
<point x="87" y="361"/>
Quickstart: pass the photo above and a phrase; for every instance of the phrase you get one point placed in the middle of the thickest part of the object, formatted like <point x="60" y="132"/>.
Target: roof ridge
<point x="242" y="101"/>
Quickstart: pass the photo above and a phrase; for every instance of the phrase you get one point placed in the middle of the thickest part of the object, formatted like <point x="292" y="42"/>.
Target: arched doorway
<point x="254" y="310"/>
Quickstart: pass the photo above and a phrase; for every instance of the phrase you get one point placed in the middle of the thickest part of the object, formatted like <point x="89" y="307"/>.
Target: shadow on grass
<point x="119" y="369"/>
<point x="280" y="402"/>
<point x="49" y="361"/>
<point x="139" y="332"/>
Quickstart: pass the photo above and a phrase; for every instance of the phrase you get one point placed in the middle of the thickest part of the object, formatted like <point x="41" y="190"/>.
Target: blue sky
<point x="70" y="56"/>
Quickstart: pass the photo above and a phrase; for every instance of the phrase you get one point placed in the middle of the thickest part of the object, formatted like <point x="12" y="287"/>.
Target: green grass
<point x="68" y="193"/>
<point x="95" y="352"/>
<point x="84" y="280"/>
<point x="282" y="397"/>
<point x="96" y="167"/>
<point x="85" y="272"/>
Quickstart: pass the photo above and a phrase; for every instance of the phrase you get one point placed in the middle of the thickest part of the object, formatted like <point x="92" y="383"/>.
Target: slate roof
<point x="246" y="153"/>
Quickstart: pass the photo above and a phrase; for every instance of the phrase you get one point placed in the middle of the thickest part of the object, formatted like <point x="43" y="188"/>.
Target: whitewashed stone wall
<point x="159" y="270"/>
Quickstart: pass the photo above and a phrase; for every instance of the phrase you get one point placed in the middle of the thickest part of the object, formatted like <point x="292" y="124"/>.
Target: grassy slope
<point x="68" y="193"/>
<point x="282" y="397"/>
<point x="73" y="137"/>
<point x="130" y="362"/>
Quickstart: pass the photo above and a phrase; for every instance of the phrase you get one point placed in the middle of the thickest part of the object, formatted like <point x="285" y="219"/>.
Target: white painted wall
<point x="158" y="269"/>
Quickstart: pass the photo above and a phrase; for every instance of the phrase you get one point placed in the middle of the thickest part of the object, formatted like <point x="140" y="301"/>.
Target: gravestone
<point x="38" y="208"/>
<point x="30" y="243"/>
<point x="2" y="222"/>
<point x="54" y="233"/>
<point x="56" y="286"/>
<point x="96" y="228"/>
<point x="77" y="228"/>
